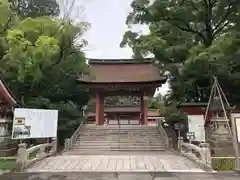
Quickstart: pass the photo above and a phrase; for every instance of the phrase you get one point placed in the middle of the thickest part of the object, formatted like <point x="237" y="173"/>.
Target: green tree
<point x="194" y="39"/>
<point x="35" y="8"/>
<point x="41" y="59"/>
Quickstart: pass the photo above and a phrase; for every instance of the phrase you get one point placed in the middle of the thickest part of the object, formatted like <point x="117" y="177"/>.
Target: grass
<point x="226" y="164"/>
<point x="7" y="164"/>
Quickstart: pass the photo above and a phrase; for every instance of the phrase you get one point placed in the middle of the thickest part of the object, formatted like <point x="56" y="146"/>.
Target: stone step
<point x="112" y="143"/>
<point x="119" y="126"/>
<point x="136" y="136"/>
<point x="128" y="130"/>
<point x="104" y="152"/>
<point x="112" y="140"/>
<point x="121" y="132"/>
<point x="140" y="139"/>
<point x="118" y="147"/>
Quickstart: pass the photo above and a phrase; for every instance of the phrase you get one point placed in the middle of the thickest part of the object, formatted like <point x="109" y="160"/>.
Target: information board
<point x="238" y="127"/>
<point x="236" y="118"/>
<point x="196" y="125"/>
<point x="34" y="123"/>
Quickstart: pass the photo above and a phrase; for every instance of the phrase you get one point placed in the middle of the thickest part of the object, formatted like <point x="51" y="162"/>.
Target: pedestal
<point x="220" y="138"/>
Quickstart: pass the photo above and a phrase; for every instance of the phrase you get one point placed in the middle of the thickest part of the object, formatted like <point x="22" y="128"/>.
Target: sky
<point x="107" y="19"/>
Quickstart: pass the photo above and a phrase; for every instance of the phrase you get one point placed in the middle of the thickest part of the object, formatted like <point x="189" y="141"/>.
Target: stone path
<point x="117" y="163"/>
<point x="120" y="176"/>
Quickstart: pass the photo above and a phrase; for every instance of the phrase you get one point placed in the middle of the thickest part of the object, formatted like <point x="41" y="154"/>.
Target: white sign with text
<point x="196" y="125"/>
<point x="236" y="118"/>
<point x="34" y="123"/>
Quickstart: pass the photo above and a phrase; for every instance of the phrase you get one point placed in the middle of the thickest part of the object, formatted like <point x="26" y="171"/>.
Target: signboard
<point x="34" y="123"/>
<point x="191" y="135"/>
<point x="238" y="127"/>
<point x="196" y="125"/>
<point x="236" y="118"/>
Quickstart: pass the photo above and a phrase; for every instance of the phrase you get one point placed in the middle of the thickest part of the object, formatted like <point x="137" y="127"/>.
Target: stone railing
<point x="163" y="133"/>
<point x="27" y="157"/>
<point x="200" y="154"/>
<point x="69" y="142"/>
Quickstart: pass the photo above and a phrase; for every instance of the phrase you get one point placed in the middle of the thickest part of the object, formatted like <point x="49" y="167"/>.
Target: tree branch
<point x="193" y="5"/>
<point x="187" y="27"/>
<point x="219" y="26"/>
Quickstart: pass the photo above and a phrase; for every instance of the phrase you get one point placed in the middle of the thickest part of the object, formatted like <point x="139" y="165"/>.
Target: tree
<point x="41" y="61"/>
<point x="194" y="39"/>
<point x="35" y="8"/>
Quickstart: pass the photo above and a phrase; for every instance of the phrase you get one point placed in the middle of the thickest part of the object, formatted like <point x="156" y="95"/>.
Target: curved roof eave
<point x="7" y="92"/>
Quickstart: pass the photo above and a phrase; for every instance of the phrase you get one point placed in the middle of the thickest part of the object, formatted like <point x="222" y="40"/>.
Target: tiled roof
<point x="6" y="93"/>
<point x="122" y="71"/>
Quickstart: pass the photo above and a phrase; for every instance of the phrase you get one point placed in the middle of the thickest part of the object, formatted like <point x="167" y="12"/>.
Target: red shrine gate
<point x="122" y="78"/>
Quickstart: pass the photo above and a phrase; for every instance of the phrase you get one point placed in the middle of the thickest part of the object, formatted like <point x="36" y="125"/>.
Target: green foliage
<point x="7" y="164"/>
<point x="40" y="61"/>
<point x="194" y="40"/>
<point x="35" y="8"/>
<point x="174" y="115"/>
<point x="226" y="164"/>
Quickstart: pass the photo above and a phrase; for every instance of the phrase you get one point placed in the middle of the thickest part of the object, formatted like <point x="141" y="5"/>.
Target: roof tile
<point x="110" y="73"/>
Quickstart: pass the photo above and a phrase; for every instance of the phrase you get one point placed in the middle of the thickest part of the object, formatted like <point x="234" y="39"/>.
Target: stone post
<point x="54" y="145"/>
<point x="206" y="154"/>
<point x="67" y="144"/>
<point x="180" y="141"/>
<point x="21" y="157"/>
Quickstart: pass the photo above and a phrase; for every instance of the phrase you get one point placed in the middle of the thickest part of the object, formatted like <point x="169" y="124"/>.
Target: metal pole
<point x="235" y="142"/>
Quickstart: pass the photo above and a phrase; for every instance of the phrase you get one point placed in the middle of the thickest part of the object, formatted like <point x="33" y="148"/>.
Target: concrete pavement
<point x="164" y="162"/>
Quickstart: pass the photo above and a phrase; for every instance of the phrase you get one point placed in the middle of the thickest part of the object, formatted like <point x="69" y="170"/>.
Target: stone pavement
<point x="120" y="176"/>
<point x="166" y="161"/>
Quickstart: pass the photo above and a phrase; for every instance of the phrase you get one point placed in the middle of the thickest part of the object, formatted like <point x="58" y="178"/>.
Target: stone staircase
<point x="101" y="140"/>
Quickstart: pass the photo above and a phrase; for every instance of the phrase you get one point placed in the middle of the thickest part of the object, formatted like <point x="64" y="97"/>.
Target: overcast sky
<point x="107" y="19"/>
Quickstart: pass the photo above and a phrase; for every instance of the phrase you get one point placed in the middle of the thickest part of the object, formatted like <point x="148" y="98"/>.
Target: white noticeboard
<point x="238" y="127"/>
<point x="34" y="123"/>
<point x="236" y="117"/>
<point x="196" y="125"/>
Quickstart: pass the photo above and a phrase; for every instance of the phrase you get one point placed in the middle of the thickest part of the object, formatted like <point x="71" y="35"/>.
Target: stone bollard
<point x="54" y="145"/>
<point x="206" y="154"/>
<point x="180" y="141"/>
<point x="67" y="144"/>
<point x="21" y="157"/>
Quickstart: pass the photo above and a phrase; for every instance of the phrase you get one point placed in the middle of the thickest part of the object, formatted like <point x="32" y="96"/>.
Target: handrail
<point x="27" y="157"/>
<point x="163" y="133"/>
<point x="200" y="154"/>
<point x="69" y="142"/>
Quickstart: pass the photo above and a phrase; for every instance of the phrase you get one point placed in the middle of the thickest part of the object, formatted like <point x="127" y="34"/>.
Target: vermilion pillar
<point x="142" y="109"/>
<point x="145" y="109"/>
<point x="99" y="109"/>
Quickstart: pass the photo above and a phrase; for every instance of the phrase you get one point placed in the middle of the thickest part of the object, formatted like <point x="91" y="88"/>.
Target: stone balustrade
<point x="27" y="157"/>
<point x="163" y="134"/>
<point x="69" y="142"/>
<point x="200" y="154"/>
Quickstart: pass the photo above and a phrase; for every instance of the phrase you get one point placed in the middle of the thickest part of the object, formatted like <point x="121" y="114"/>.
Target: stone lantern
<point x="220" y="133"/>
